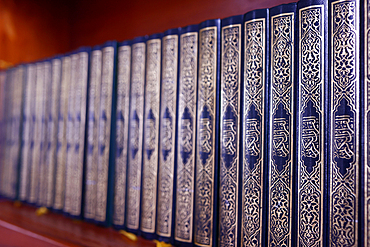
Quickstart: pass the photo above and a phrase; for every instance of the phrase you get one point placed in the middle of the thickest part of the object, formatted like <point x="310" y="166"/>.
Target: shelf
<point x="22" y="227"/>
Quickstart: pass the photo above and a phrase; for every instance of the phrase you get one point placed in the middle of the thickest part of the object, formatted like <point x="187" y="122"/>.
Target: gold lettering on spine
<point x="186" y="135"/>
<point x="204" y="204"/>
<point x="92" y="134"/>
<point x="280" y="175"/>
<point x="104" y="131"/>
<point x="123" y="101"/>
<point x="167" y="134"/>
<point x="253" y="130"/>
<point x="136" y="135"/>
<point x="344" y="115"/>
<point x="151" y="134"/>
<point x="311" y="127"/>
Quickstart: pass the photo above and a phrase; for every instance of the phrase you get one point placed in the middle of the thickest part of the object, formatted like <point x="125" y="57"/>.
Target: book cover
<point x="167" y="133"/>
<point x="151" y="135"/>
<point x="281" y="150"/>
<point x="231" y="63"/>
<point x="344" y="117"/>
<point x="255" y="126"/>
<point x="186" y="133"/>
<point x="207" y="155"/>
<point x="122" y="121"/>
<point x="91" y="172"/>
<point x="106" y="135"/>
<point x="135" y="145"/>
<point x="312" y="96"/>
<point x="61" y="151"/>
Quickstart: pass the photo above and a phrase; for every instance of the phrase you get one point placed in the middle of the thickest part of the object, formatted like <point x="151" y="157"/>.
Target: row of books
<point x="251" y="130"/>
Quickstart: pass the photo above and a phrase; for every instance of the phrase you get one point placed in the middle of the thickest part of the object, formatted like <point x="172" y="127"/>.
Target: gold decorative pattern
<point x="186" y="134"/>
<point x="281" y="137"/>
<point x="253" y="130"/>
<point x="123" y="103"/>
<point x="344" y="126"/>
<point x="151" y="136"/>
<point x="136" y="135"/>
<point x="167" y="135"/>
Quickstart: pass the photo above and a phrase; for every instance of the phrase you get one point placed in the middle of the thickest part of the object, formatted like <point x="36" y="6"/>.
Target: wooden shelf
<point x="22" y="227"/>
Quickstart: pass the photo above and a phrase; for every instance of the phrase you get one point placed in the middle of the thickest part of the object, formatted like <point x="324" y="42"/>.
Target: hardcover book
<point x="106" y="134"/>
<point x="61" y="151"/>
<point x="312" y="95"/>
<point x="91" y="172"/>
<point x="281" y="153"/>
<point x="207" y="155"/>
<point x="167" y="139"/>
<point x="186" y="132"/>
<point x="231" y="62"/>
<point x="135" y="145"/>
<point x="151" y="135"/>
<point x="255" y="126"/>
<point x="122" y="120"/>
<point x="344" y="117"/>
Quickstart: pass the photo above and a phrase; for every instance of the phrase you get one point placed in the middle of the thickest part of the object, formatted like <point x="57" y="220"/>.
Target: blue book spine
<point x="255" y="126"/>
<point x="151" y="136"/>
<point x="122" y="121"/>
<point x="281" y="153"/>
<point x="167" y="140"/>
<point x="186" y="132"/>
<point x="61" y="151"/>
<point x="206" y="196"/>
<point x="136" y="135"/>
<point x="92" y="134"/>
<point x="230" y="119"/>
<point x="106" y="135"/>
<point x="312" y="90"/>
<point x="344" y="117"/>
<point x="27" y="143"/>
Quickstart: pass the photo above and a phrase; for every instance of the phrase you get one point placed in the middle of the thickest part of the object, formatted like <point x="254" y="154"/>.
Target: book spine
<point x="37" y="134"/>
<point x="43" y="166"/>
<point x="79" y="128"/>
<point x="123" y="108"/>
<point x="311" y="116"/>
<point x="61" y="152"/>
<point x="281" y="153"/>
<point x="231" y="87"/>
<point x="105" y="133"/>
<point x="186" y="132"/>
<point x="136" y="136"/>
<point x="70" y="133"/>
<point x="255" y="125"/>
<point x="151" y="136"/>
<point x="27" y="132"/>
<point x="92" y="134"/>
<point x="344" y="116"/>
<point x="3" y="75"/>
<point x="167" y="144"/>
<point x="207" y="134"/>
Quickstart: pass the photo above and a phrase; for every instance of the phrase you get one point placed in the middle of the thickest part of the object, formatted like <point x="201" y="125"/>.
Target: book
<point x="231" y="63"/>
<point x="312" y="95"/>
<point x="63" y="119"/>
<point x="135" y="145"/>
<point x="151" y="135"/>
<point x="167" y="136"/>
<point x="91" y="172"/>
<point x="255" y="126"/>
<point x="186" y="133"/>
<point x="207" y="155"/>
<point x="122" y="131"/>
<point x="27" y="134"/>
<point x="106" y="134"/>
<point x="281" y="152"/>
<point x="344" y="123"/>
